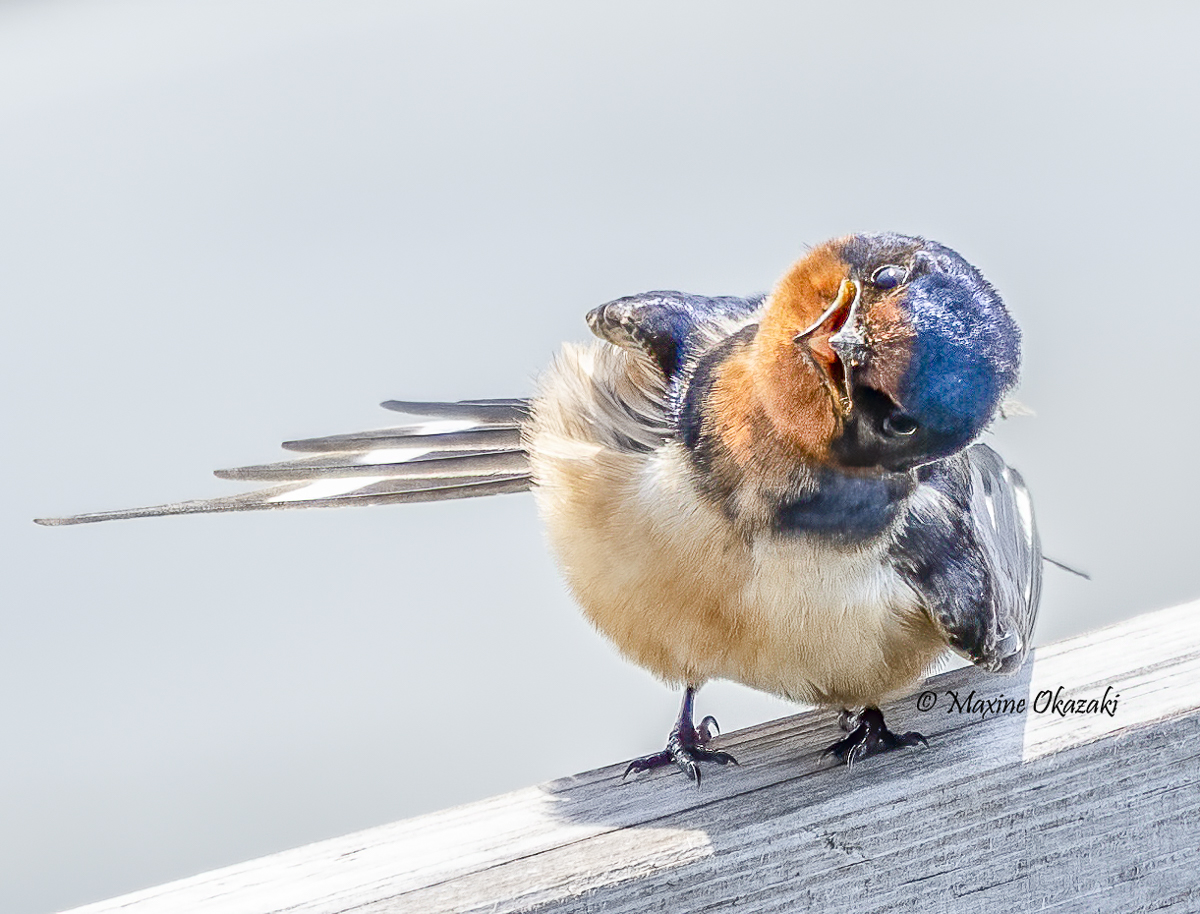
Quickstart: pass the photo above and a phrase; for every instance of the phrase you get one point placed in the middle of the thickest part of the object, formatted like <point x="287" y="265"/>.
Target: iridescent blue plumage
<point x="965" y="350"/>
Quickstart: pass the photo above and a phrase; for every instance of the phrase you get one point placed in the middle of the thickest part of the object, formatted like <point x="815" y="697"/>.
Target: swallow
<point x="784" y="490"/>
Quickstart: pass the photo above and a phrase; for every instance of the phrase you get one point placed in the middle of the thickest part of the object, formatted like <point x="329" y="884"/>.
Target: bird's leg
<point x="686" y="745"/>
<point x="870" y="737"/>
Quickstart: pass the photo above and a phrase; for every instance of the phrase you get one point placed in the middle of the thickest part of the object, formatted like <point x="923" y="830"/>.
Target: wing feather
<point x="969" y="546"/>
<point x="1007" y="536"/>
<point x="669" y="326"/>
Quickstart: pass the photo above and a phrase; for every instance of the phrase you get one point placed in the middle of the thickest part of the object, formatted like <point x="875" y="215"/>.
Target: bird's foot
<point x="870" y="737"/>
<point x="687" y="748"/>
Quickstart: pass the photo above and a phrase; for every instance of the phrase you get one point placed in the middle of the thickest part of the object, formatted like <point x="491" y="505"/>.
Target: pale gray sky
<point x="226" y="224"/>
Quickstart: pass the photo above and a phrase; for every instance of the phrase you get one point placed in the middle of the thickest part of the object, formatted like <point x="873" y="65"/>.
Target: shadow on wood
<point x="1083" y="798"/>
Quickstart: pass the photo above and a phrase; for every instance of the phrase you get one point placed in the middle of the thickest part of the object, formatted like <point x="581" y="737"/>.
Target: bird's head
<point x="911" y="344"/>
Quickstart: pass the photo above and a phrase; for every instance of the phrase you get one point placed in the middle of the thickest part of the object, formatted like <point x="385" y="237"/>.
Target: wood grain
<point x="1023" y="812"/>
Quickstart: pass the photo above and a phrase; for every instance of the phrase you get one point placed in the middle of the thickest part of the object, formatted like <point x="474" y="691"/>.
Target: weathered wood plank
<point x="1017" y="811"/>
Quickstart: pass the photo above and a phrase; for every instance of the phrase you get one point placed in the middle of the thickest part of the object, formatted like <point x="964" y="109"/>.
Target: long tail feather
<point x="501" y="411"/>
<point x="470" y="438"/>
<point x="444" y="463"/>
<point x="473" y="448"/>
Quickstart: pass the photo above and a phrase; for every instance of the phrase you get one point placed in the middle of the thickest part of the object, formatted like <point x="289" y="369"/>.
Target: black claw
<point x="648" y="763"/>
<point x="871" y="737"/>
<point x="707" y="730"/>
<point x="685" y="746"/>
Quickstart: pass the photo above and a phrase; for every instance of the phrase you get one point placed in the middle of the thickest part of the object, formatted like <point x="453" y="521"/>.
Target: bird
<point x="785" y="490"/>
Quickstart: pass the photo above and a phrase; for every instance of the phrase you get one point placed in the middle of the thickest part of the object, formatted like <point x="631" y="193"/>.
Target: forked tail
<point x="467" y="449"/>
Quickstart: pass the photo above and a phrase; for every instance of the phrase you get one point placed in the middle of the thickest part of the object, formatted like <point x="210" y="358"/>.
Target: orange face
<point x="805" y="292"/>
<point x="800" y="384"/>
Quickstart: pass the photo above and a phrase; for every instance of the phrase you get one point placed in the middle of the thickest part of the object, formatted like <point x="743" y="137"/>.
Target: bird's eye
<point x="888" y="277"/>
<point x="899" y="425"/>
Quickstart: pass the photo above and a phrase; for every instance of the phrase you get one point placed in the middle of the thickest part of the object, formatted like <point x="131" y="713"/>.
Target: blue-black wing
<point x="669" y="325"/>
<point x="969" y="546"/>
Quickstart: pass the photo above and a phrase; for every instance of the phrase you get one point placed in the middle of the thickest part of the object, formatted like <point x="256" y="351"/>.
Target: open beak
<point x="836" y="345"/>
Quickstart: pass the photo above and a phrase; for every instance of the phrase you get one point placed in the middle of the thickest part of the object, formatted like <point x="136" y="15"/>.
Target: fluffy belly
<point x="665" y="576"/>
<point x="829" y="625"/>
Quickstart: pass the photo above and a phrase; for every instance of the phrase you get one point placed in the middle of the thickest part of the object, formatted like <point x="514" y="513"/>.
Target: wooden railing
<point x="1060" y="804"/>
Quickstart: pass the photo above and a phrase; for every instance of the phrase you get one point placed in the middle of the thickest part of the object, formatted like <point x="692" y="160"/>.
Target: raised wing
<point x="668" y="325"/>
<point x="471" y="448"/>
<point x="970" y="548"/>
